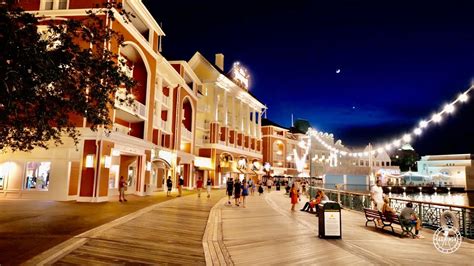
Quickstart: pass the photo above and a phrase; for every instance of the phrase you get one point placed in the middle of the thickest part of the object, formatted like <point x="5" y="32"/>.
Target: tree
<point x="46" y="79"/>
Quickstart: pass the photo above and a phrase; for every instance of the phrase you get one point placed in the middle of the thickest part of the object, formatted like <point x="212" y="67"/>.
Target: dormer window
<point x="54" y="4"/>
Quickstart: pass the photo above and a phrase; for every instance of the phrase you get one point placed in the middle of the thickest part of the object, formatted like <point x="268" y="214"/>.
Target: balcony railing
<point x="204" y="124"/>
<point x="124" y="67"/>
<point x="164" y="125"/>
<point x="156" y="121"/>
<point x="203" y="108"/>
<point x="165" y="100"/>
<point x="185" y="133"/>
<point x="121" y="129"/>
<point x="132" y="106"/>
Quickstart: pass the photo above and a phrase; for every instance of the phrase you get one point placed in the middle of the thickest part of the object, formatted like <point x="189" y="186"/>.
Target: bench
<point x="374" y="215"/>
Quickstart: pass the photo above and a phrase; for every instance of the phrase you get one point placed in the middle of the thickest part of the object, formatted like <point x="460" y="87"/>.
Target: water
<point x="455" y="198"/>
<point x="462" y="198"/>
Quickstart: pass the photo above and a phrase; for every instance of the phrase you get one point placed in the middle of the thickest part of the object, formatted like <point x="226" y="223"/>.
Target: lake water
<point x="455" y="198"/>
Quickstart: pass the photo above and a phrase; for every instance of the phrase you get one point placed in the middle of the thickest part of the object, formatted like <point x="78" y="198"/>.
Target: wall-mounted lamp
<point x="90" y="161"/>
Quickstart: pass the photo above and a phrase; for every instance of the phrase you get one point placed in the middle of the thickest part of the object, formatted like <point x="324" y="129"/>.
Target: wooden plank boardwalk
<point x="197" y="231"/>
<point x="167" y="233"/>
<point x="268" y="233"/>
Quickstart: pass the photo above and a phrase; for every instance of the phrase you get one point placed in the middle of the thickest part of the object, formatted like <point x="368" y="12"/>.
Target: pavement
<point x="29" y="227"/>
<point x="192" y="230"/>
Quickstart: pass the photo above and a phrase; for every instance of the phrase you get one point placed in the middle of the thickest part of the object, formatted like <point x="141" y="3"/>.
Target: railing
<point x="429" y="212"/>
<point x="204" y="124"/>
<point x="123" y="102"/>
<point x="156" y="121"/>
<point x="120" y="129"/>
<point x="165" y="100"/>
<point x="185" y="133"/>
<point x="164" y="125"/>
<point x="203" y="108"/>
<point x="222" y="142"/>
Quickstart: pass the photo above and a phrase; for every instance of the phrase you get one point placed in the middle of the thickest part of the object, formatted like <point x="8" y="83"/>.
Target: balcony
<point x="164" y="126"/>
<point x="202" y="124"/>
<point x="203" y="108"/>
<point x="134" y="108"/>
<point x="120" y="129"/>
<point x="185" y="133"/>
<point x="166" y="100"/>
<point x="156" y="121"/>
<point x="221" y="142"/>
<point x="124" y="67"/>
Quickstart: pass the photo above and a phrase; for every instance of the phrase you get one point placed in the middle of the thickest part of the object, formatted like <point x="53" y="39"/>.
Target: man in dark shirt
<point x="230" y="189"/>
<point x="180" y="187"/>
<point x="169" y="185"/>
<point x="409" y="215"/>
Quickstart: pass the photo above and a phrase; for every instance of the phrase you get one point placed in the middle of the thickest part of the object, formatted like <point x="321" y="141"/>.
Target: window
<point x="48" y="5"/>
<point x="54" y="4"/>
<point x="62" y="4"/>
<point x="37" y="175"/>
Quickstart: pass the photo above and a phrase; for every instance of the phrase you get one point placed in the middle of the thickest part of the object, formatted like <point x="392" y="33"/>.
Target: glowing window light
<point x="90" y="161"/>
<point x="463" y="97"/>
<point x="437" y="118"/>
<point x="388" y="147"/>
<point x="380" y="150"/>
<point x="417" y="131"/>
<point x="449" y="108"/>
<point x="148" y="166"/>
<point x="406" y="138"/>
<point x="366" y="154"/>
<point x="423" y="124"/>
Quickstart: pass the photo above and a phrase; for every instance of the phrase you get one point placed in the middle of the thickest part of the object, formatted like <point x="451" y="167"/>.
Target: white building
<point x="450" y="169"/>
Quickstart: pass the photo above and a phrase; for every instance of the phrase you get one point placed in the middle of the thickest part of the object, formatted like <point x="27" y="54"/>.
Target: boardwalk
<point x="266" y="232"/>
<point x="167" y="233"/>
<point x="193" y="231"/>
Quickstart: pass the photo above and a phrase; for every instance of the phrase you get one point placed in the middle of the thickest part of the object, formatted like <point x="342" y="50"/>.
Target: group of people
<point x="239" y="190"/>
<point x="381" y="203"/>
<point x="313" y="204"/>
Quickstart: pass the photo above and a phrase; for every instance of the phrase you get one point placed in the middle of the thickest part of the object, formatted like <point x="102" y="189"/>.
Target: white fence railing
<point x="121" y="129"/>
<point x="185" y="133"/>
<point x="123" y="101"/>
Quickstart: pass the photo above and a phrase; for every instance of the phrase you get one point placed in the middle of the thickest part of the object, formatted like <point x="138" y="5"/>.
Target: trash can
<point x="329" y="219"/>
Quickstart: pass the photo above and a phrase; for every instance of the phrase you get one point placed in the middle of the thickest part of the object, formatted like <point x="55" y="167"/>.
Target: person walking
<point x="208" y="187"/>
<point x="122" y="186"/>
<point x="251" y="187"/>
<point x="199" y="184"/>
<point x="169" y="185"/>
<point x="293" y="196"/>
<point x="269" y="184"/>
<point x="180" y="186"/>
<point x="260" y="188"/>
<point x="237" y="190"/>
<point x="230" y="189"/>
<point x="245" y="191"/>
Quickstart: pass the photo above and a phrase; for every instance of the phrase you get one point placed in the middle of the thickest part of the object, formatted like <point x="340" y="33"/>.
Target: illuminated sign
<point x="240" y="75"/>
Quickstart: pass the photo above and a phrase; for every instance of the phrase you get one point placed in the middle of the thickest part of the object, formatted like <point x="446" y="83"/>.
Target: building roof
<point x="268" y="122"/>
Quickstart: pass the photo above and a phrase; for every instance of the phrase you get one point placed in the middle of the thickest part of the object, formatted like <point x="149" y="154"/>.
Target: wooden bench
<point x="374" y="215"/>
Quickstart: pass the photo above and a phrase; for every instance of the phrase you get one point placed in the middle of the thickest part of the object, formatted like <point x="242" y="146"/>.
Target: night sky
<point x="399" y="62"/>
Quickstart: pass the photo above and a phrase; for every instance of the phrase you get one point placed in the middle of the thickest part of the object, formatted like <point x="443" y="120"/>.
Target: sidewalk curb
<point x="53" y="254"/>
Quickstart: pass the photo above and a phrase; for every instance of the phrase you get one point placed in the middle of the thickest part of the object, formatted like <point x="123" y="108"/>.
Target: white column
<point x="233" y="113"/>
<point x="241" y="117"/>
<point x="215" y="105"/>
<point x="158" y="94"/>
<point x="253" y="127"/>
<point x="259" y="128"/>
<point x="225" y="108"/>
<point x="247" y="118"/>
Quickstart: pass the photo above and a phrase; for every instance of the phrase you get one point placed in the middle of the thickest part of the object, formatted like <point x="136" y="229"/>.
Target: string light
<point x="435" y="118"/>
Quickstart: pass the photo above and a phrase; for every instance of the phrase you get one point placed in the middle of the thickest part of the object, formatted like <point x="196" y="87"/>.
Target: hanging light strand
<point x="406" y="138"/>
